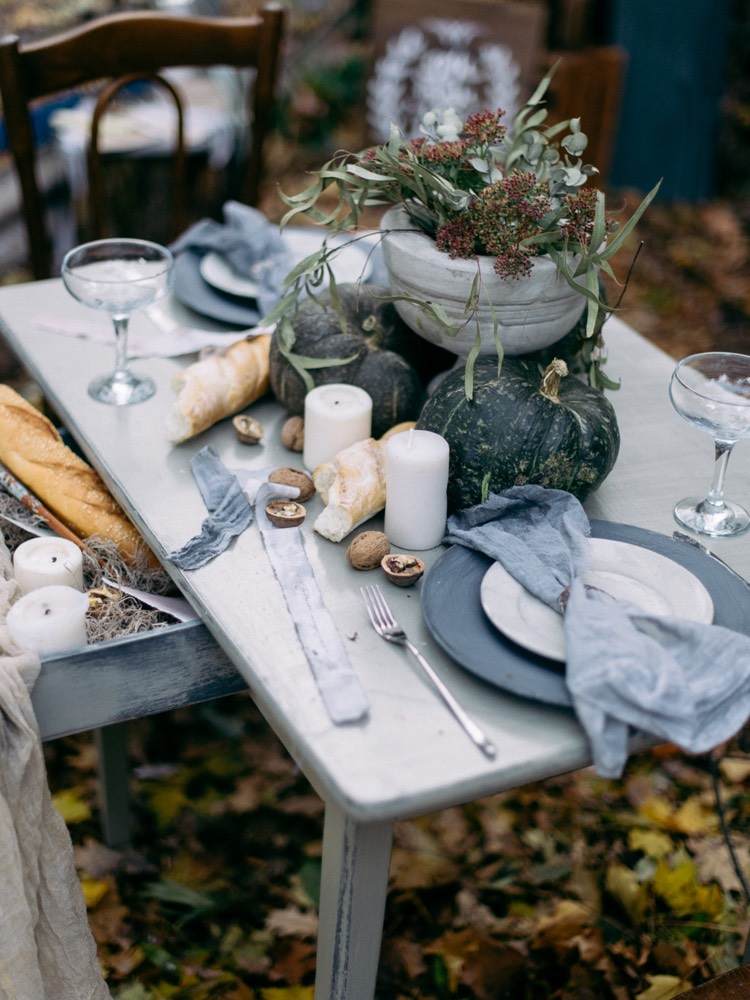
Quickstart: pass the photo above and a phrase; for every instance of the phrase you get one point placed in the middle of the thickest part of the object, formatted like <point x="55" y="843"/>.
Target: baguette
<point x="218" y="386"/>
<point x="33" y="451"/>
<point x="352" y="486"/>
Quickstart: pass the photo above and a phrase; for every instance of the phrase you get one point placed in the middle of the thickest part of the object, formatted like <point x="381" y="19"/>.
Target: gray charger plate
<point x="453" y="612"/>
<point x="190" y="288"/>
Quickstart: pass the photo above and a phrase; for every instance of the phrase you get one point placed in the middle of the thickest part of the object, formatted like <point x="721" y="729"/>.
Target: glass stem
<point x="723" y="449"/>
<point x="120" y="324"/>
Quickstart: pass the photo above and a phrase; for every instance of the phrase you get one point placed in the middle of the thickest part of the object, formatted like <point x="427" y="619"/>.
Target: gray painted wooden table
<point x="409" y="757"/>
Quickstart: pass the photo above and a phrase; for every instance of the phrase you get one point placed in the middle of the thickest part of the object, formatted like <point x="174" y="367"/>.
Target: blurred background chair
<point x="132" y="49"/>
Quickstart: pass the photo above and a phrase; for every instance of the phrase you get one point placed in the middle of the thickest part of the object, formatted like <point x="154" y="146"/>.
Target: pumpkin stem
<point x="553" y="373"/>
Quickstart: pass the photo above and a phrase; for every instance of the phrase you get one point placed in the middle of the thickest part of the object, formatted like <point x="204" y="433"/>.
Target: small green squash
<point x="523" y="426"/>
<point x="388" y="360"/>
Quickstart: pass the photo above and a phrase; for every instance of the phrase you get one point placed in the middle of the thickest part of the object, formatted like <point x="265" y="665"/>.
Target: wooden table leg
<point x="353" y="887"/>
<point x="114" y="781"/>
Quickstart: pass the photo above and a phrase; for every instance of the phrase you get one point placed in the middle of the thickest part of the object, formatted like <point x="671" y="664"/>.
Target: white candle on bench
<point x="416" y="484"/>
<point x="48" y="562"/>
<point x="335" y="416"/>
<point x="49" y="620"/>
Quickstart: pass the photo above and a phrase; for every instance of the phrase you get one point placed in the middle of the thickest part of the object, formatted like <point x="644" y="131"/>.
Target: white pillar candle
<point x="416" y="489"/>
<point x="48" y="562"/>
<point x="335" y="417"/>
<point x="49" y="620"/>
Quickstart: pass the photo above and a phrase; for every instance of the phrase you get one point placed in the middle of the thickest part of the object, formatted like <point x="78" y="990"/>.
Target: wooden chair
<point x="124" y="48"/>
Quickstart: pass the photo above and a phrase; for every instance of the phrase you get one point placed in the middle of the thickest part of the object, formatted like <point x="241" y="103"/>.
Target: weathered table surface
<point x="408" y="757"/>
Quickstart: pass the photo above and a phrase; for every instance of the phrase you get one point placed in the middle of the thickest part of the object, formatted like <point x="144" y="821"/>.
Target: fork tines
<point x="378" y="611"/>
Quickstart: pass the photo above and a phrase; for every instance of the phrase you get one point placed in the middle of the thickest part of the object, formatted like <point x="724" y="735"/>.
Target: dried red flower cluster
<point x="485" y="126"/>
<point x="497" y="221"/>
<point x="579" y="222"/>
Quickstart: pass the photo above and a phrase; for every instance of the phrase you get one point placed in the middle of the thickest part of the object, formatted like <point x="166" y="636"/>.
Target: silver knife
<point x="680" y="536"/>
<point x="177" y="607"/>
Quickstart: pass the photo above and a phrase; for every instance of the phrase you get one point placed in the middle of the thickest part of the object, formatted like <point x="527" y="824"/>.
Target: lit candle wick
<point x="54" y="559"/>
<point x="46" y="610"/>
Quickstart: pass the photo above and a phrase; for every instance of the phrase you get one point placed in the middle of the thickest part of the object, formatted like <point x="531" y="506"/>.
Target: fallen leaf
<point x="663" y="988"/>
<point x="653" y="843"/>
<point x="693" y="817"/>
<point x="166" y="801"/>
<point x="292" y="922"/>
<point x="293" y="961"/>
<point x="623" y="884"/>
<point x="410" y="955"/>
<point x="557" y="929"/>
<point x="288" y="993"/>
<point x="679" y="888"/>
<point x="714" y="864"/>
<point x="657" y="810"/>
<point x="474" y="960"/>
<point x="93" y="891"/>
<point x="95" y="859"/>
<point x="71" y="806"/>
<point x="124" y="963"/>
<point x="735" y="769"/>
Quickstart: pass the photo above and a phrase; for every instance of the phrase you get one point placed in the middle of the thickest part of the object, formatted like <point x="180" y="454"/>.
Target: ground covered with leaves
<point x="572" y="888"/>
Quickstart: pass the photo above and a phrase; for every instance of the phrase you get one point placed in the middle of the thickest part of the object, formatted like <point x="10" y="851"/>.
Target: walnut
<point x="294" y="477"/>
<point x="285" y="513"/>
<point x="293" y="434"/>
<point x="367" y="550"/>
<point x="248" y="429"/>
<point x="402" y="570"/>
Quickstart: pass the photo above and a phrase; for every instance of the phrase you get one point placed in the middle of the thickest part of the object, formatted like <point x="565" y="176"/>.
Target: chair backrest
<point x="136" y="46"/>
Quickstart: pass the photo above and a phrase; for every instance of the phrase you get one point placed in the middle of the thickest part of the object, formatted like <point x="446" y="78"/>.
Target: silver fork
<point x="388" y="628"/>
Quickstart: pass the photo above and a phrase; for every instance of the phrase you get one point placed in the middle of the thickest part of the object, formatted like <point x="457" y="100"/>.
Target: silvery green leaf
<point x="630" y="225"/>
<point x="589" y="169"/>
<point x="471" y="358"/>
<point x="537" y="118"/>
<point x="368" y="175"/>
<point x="480" y="165"/>
<point x="575" y="124"/>
<point x="495" y="174"/>
<point x="541" y="89"/>
<point x="574" y="176"/>
<point x="550" y="155"/>
<point x="575" y="143"/>
<point x="534" y="152"/>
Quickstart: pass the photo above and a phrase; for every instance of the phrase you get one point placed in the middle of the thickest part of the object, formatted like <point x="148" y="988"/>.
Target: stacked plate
<point x="488" y="623"/>
<point x="209" y="286"/>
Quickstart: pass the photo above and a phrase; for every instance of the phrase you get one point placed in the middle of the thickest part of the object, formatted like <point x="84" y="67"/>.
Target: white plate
<point x="627" y="572"/>
<point x="348" y="265"/>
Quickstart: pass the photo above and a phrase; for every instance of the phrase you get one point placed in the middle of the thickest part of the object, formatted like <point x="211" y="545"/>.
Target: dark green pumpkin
<point x="524" y="426"/>
<point x="389" y="360"/>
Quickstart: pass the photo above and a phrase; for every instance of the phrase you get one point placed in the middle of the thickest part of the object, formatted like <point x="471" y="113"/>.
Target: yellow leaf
<point x="663" y="988"/>
<point x="681" y="891"/>
<point x="623" y="884"/>
<point x="167" y="801"/>
<point x="71" y="806"/>
<point x="735" y="769"/>
<point x="288" y="993"/>
<point x="93" y="890"/>
<point x="677" y="886"/>
<point x="657" y="810"/>
<point x="651" y="842"/>
<point x="692" y="817"/>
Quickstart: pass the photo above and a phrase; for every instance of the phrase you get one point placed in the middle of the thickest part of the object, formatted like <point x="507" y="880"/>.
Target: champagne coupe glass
<point x="712" y="391"/>
<point x="118" y="276"/>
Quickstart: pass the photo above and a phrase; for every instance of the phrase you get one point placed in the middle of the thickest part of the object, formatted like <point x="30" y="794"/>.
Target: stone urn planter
<point x="532" y="313"/>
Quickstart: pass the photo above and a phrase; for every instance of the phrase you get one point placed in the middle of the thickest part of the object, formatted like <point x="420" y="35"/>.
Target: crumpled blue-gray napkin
<point x="677" y="680"/>
<point x="250" y="244"/>
<point x="229" y="511"/>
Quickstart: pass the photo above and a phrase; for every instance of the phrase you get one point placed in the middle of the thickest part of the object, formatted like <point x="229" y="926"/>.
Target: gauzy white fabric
<point x="46" y="948"/>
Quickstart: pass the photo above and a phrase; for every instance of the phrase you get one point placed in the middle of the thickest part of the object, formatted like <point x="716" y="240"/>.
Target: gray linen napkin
<point x="250" y="244"/>
<point x="229" y="497"/>
<point x="677" y="680"/>
<point x="229" y="511"/>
